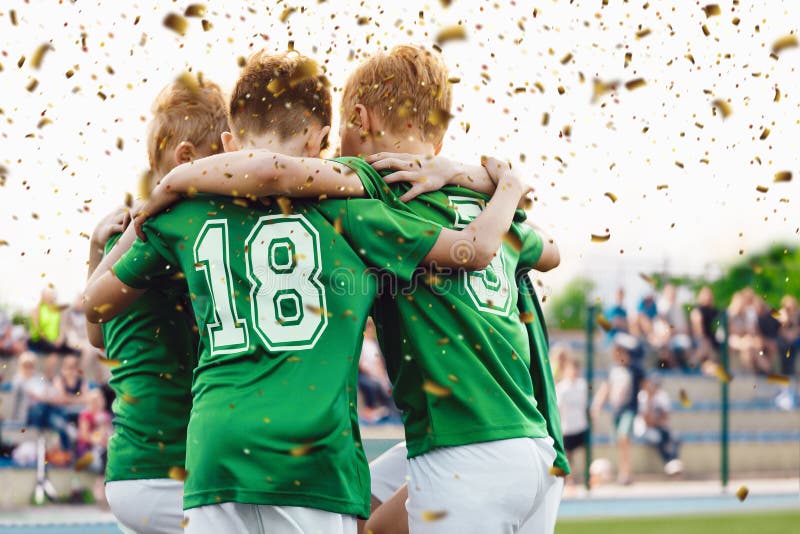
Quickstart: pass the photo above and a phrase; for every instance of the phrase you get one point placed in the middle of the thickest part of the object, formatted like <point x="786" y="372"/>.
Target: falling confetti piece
<point x="557" y="471"/>
<point x="176" y="23"/>
<point x="429" y="515"/>
<point x="781" y="380"/>
<point x="647" y="278"/>
<point x="783" y="176"/>
<point x="44" y="122"/>
<point x="301" y="450"/>
<point x="762" y="189"/>
<point x="435" y="389"/>
<point x="526" y="317"/>
<point x="130" y="399"/>
<point x="635" y="84"/>
<point x="603" y="322"/>
<point x="285" y="204"/>
<point x="195" y="10"/>
<point x="185" y="522"/>
<point x="286" y="12"/>
<point x="513" y="241"/>
<point x="600" y="88"/>
<point x="686" y="402"/>
<point x="34" y="83"/>
<point x="706" y="32"/>
<point x="38" y="55"/>
<point x="13" y="15"/>
<point x="597" y="238"/>
<point x="109" y="362"/>
<point x="764" y="134"/>
<point x="643" y="33"/>
<point x="720" y="373"/>
<point x="628" y="58"/>
<point x="566" y="59"/>
<point x="723" y="107"/>
<point x="451" y="33"/>
<point x="206" y="25"/>
<point x="742" y="493"/>
<point x="611" y="196"/>
<point x="84" y="461"/>
<point x="785" y="42"/>
<point x="178" y="473"/>
<point x="712" y="10"/>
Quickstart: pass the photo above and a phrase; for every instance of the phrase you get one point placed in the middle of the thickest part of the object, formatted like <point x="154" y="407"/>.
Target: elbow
<point x="91" y="310"/>
<point x="550" y="260"/>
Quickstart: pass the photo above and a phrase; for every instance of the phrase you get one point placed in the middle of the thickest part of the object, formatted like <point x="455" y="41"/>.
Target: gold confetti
<point x="527" y="317"/>
<point x="513" y="241"/>
<point x="69" y="74"/>
<point x="435" y="389"/>
<point x="109" y="362"/>
<point x="300" y="450"/>
<point x="643" y="33"/>
<point x="611" y="196"/>
<point x="628" y="58"/>
<point x="635" y="84"/>
<point x="762" y="189"/>
<point x="598" y="238"/>
<point x="742" y="493"/>
<point x="178" y="473"/>
<point x="545" y="118"/>
<point x="723" y="107"/>
<point x="712" y="10"/>
<point x="38" y="55"/>
<point x="176" y="23"/>
<point x="185" y="522"/>
<point x="84" y="461"/>
<point x="195" y="10"/>
<point x="439" y="117"/>
<point x="557" y="471"/>
<point x="690" y="57"/>
<point x="451" y="33"/>
<point x="285" y="204"/>
<point x="600" y="88"/>
<point x="32" y="85"/>
<point x="429" y="515"/>
<point x="3" y="243"/>
<point x="764" y="134"/>
<point x="720" y="373"/>
<point x="566" y="59"/>
<point x="783" y="176"/>
<point x="603" y="322"/>
<point x="130" y="399"/>
<point x="785" y="42"/>
<point x="781" y="380"/>
<point x="686" y="402"/>
<point x="206" y="25"/>
<point x="44" y="122"/>
<point x="13" y="15"/>
<point x="286" y="12"/>
<point x="777" y="97"/>
<point x="706" y="32"/>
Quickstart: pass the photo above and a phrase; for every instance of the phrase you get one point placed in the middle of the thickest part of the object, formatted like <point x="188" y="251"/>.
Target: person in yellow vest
<point x="45" y="329"/>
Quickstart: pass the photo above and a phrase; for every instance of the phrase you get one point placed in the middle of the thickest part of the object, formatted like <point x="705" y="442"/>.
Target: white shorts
<point x="235" y="517"/>
<point x="497" y="486"/>
<point x="151" y="506"/>
<point x="389" y="471"/>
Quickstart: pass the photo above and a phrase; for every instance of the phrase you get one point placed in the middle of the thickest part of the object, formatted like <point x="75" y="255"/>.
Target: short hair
<point x="189" y="109"/>
<point x="281" y="93"/>
<point x="407" y="87"/>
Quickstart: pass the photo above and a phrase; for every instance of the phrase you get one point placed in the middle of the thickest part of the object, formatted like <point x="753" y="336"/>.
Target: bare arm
<point x="106" y="296"/>
<point x="551" y="257"/>
<point x="474" y="247"/>
<point x="252" y="174"/>
<point x="113" y="223"/>
<point x="431" y="173"/>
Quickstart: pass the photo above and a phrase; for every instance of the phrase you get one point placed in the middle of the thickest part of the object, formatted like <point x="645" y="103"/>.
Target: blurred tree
<point x="567" y="310"/>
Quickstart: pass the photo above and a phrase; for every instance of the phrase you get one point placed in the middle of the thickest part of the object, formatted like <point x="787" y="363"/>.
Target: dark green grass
<point x="782" y="522"/>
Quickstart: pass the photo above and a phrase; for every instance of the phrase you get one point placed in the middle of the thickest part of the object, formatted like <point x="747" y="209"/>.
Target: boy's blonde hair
<point x="281" y="93"/>
<point x="188" y="109"/>
<point x="407" y="87"/>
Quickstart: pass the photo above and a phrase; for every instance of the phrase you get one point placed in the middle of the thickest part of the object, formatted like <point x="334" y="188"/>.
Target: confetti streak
<point x="783" y="176"/>
<point x="723" y="107"/>
<point x="38" y="55"/>
<point x="781" y="380"/>
<point x="686" y="402"/>
<point x="712" y="10"/>
<point x="600" y="238"/>
<point x="195" y="10"/>
<point x="430" y="515"/>
<point x="635" y="84"/>
<point x="451" y="33"/>
<point x="784" y="43"/>
<point x="435" y="389"/>
<point x="603" y="322"/>
<point x="176" y="23"/>
<point x="611" y="196"/>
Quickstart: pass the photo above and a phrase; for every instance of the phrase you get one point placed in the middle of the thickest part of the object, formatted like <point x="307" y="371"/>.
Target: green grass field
<point x="783" y="522"/>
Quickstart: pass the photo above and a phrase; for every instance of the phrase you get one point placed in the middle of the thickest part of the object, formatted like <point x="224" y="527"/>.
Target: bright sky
<point x="684" y="177"/>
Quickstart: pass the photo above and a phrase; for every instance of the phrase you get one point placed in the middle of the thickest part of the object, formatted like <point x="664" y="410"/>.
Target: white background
<point x="63" y="176"/>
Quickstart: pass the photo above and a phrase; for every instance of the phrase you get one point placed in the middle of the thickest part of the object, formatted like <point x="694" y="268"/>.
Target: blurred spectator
<point x="45" y="332"/>
<point x="616" y="315"/>
<point x="71" y="388"/>
<point x="373" y="381"/>
<point x="559" y="356"/>
<point x="652" y="423"/>
<point x="788" y="335"/>
<point x="671" y="330"/>
<point x="12" y="337"/>
<point x="73" y="326"/>
<point x="742" y="328"/>
<point x="642" y="325"/>
<point x="94" y="431"/>
<point x="35" y="394"/>
<point x="572" y="396"/>
<point x="620" y="392"/>
<point x="767" y="340"/>
<point x="704" y="328"/>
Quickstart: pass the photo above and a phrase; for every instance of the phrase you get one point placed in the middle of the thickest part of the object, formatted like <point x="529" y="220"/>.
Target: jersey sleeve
<point x="142" y="263"/>
<point x="532" y="246"/>
<point x="392" y="240"/>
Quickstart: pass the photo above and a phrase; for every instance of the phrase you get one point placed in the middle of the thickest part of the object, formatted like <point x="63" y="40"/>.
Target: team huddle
<point x="235" y="318"/>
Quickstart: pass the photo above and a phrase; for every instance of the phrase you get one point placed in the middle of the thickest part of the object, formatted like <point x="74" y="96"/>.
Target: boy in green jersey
<point x="152" y="344"/>
<point x="281" y="300"/>
<point x="488" y="400"/>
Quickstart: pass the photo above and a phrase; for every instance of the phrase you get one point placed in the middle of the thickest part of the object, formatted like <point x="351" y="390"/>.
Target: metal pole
<point x="590" y="320"/>
<point x="724" y="405"/>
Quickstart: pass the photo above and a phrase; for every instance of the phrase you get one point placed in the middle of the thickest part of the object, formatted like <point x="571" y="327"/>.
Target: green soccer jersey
<point x="457" y="353"/>
<point x="281" y="300"/>
<point x="152" y="347"/>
